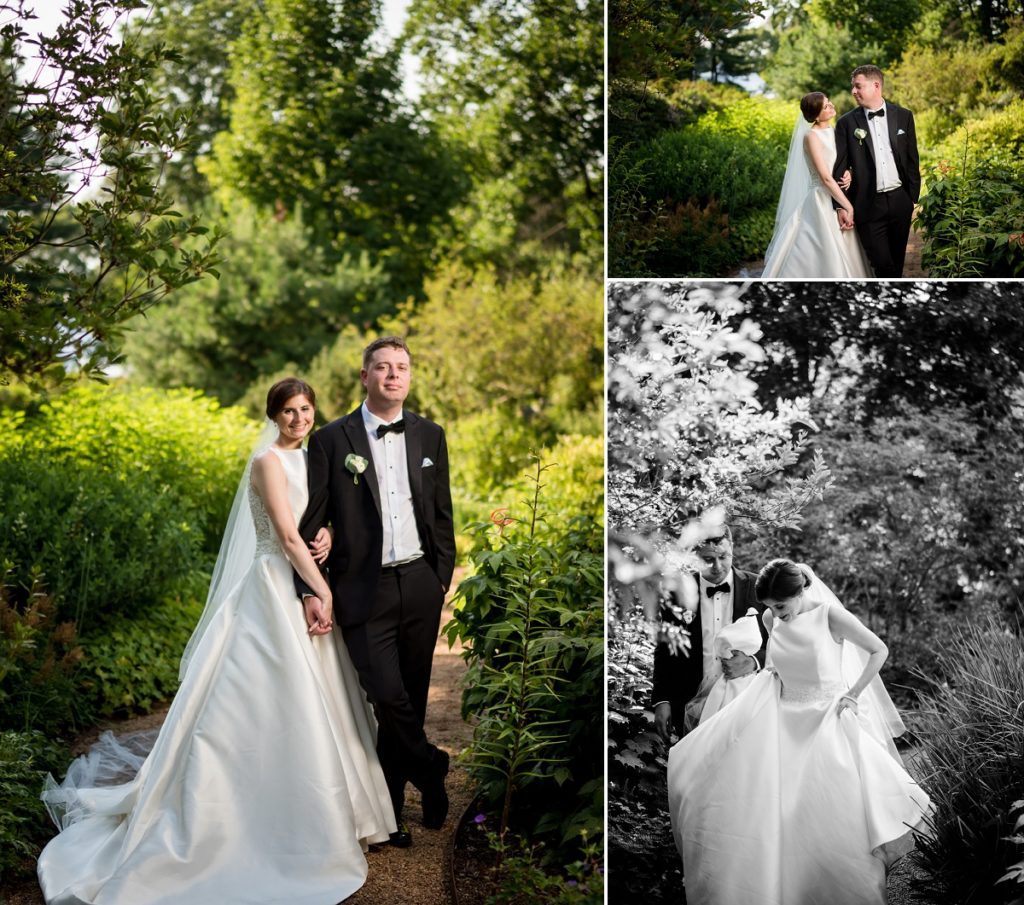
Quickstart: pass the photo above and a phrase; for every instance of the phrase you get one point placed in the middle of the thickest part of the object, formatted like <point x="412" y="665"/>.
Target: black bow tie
<point x="397" y="427"/>
<point x="872" y="114"/>
<point x="716" y="588"/>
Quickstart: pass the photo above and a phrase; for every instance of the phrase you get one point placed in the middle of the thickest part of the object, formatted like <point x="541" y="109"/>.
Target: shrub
<point x="25" y="760"/>
<point x="132" y="665"/>
<point x="531" y="620"/>
<point x="972" y="748"/>
<point x="107" y="543"/>
<point x="185" y="445"/>
<point x="38" y="660"/>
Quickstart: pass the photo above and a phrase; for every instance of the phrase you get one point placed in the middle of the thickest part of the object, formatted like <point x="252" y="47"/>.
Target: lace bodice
<point x="807" y="658"/>
<point x="828" y="139"/>
<point x="294" y="462"/>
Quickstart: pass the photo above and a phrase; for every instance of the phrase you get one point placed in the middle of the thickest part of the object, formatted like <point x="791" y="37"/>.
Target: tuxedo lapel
<point x="739" y="595"/>
<point x="861" y="118"/>
<point x="892" y="124"/>
<point x="414" y="455"/>
<point x="355" y="430"/>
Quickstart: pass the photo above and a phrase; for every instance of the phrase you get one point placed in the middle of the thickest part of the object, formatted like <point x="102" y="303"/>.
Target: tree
<point x="88" y="237"/>
<point x="519" y="87"/>
<point x="315" y="122"/>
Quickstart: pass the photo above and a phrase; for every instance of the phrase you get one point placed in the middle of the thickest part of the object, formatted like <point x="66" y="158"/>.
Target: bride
<point x="808" y="241"/>
<point x="794" y="792"/>
<point x="262" y="785"/>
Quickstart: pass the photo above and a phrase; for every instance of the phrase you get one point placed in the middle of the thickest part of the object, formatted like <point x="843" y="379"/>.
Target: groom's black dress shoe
<point x="435" y="798"/>
<point x="401" y="838"/>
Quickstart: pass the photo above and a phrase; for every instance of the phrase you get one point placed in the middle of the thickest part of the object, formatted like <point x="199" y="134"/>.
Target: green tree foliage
<point x="201" y="33"/>
<point x="279" y="301"/>
<point x="88" y="237"/>
<point x="316" y="123"/>
<point x="518" y="86"/>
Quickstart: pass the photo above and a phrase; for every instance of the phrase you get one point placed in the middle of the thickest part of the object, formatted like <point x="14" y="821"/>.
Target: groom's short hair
<point x="392" y="342"/>
<point x="869" y="72"/>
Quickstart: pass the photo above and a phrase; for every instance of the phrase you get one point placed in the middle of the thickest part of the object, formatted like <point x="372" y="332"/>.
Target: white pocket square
<point x="901" y="132"/>
<point x="426" y="463"/>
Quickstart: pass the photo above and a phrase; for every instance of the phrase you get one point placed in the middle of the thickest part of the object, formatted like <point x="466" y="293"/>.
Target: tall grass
<point x="972" y="735"/>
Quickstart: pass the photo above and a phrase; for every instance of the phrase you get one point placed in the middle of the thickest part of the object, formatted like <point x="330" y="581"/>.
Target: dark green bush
<point x="39" y="657"/>
<point x="107" y="543"/>
<point x="132" y="665"/>
<point x="971" y="731"/>
<point x="25" y="760"/>
<point x="531" y="620"/>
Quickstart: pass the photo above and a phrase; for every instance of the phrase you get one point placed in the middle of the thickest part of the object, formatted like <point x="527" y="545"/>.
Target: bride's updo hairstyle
<point x="810" y="106"/>
<point x="780" y="580"/>
<point x="283" y="390"/>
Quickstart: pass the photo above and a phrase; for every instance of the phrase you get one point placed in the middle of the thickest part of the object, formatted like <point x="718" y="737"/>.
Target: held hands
<point x="738" y="664"/>
<point x="320" y="546"/>
<point x="845" y="218"/>
<point x="319" y="615"/>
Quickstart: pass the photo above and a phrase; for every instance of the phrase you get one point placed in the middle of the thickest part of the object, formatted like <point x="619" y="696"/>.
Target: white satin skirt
<point x="263" y="785"/>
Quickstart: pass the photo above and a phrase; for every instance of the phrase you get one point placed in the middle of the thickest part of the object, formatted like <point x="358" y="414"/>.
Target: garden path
<point x="419" y="875"/>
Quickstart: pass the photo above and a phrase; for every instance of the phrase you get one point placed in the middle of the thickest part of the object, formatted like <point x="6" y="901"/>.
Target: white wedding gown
<point x="777" y="800"/>
<point x="262" y="786"/>
<point x="810" y="244"/>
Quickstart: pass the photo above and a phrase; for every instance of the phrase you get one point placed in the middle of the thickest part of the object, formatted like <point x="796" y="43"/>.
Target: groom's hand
<point x="844" y="183"/>
<point x="318" y="615"/>
<point x="845" y="220"/>
<point x="663" y="720"/>
<point x="738" y="665"/>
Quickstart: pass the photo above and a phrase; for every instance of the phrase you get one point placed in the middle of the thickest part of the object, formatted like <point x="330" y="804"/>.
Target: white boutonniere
<point x="901" y="132"/>
<point x="860" y="135"/>
<point x="355" y="464"/>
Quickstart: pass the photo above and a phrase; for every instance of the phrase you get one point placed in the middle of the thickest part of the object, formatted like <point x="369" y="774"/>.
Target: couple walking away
<point x="849" y="192"/>
<point x="789" y="791"/>
<point x="271" y="773"/>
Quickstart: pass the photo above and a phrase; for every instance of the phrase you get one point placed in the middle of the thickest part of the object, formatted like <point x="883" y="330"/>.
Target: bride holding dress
<point x="808" y="242"/>
<point x="793" y="793"/>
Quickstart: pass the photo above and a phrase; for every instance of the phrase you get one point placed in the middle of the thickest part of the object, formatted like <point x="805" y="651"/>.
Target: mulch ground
<point x="419" y="875"/>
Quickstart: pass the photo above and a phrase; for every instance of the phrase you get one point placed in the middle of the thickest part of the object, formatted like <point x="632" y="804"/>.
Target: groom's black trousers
<point x="393" y="652"/>
<point x="885" y="231"/>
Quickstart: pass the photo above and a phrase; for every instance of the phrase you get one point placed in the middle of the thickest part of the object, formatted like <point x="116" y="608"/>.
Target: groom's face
<point x="387" y="377"/>
<point x="716" y="561"/>
<point x="866" y="92"/>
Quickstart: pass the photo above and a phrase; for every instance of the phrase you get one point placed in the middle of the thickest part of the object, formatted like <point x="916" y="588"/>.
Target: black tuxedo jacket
<point x="353" y="509"/>
<point x="858" y="155"/>
<point x="677" y="677"/>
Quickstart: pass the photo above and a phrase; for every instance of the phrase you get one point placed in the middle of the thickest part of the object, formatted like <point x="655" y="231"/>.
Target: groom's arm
<point x="913" y="161"/>
<point x="842" y="163"/>
<point x="315" y="516"/>
<point x="444" y="521"/>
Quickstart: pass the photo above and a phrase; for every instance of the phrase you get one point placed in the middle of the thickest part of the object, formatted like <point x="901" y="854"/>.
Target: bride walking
<point x="263" y="785"/>
<point x="808" y="241"/>
<point x="793" y="792"/>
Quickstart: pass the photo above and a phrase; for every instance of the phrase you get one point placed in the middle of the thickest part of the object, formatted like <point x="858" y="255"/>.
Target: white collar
<point x="866" y="111"/>
<point x="373" y="421"/>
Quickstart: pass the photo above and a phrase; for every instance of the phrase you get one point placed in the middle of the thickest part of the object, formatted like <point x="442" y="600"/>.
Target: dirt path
<point x="413" y="876"/>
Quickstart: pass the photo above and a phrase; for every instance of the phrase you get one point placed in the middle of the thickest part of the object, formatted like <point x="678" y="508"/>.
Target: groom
<point x="379" y="476"/>
<point x="725" y="594"/>
<point x="877" y="142"/>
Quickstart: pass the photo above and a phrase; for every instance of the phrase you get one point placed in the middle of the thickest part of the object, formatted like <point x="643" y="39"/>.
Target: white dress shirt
<point x="887" y="177"/>
<point x="715" y="612"/>
<point x="390" y="463"/>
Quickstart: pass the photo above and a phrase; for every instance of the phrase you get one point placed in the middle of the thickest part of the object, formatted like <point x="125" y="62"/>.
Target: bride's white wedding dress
<point x="262" y="786"/>
<point x="807" y="242"/>
<point x="777" y="800"/>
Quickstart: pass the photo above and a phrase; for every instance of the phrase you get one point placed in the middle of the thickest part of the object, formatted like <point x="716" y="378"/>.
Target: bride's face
<point x="828" y="111"/>
<point x="784" y="610"/>
<point x="295" y="419"/>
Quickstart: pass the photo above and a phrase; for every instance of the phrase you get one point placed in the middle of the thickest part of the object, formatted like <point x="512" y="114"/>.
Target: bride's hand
<point x="320" y="546"/>
<point x="845" y="218"/>
<point x="846" y="702"/>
